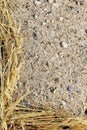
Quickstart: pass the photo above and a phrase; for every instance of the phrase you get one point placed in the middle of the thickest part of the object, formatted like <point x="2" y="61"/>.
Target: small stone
<point x="52" y="89"/>
<point x="24" y="83"/>
<point x="69" y="88"/>
<point x="63" y="103"/>
<point x="49" y="12"/>
<point x="64" y="44"/>
<point x="37" y="2"/>
<point x="79" y="91"/>
<point x="34" y="35"/>
<point x="51" y="1"/>
<point x="86" y="112"/>
<point x="65" y="127"/>
<point x="47" y="64"/>
<point x="86" y="31"/>
<point x="61" y="19"/>
<point x="56" y="79"/>
<point x="57" y="5"/>
<point x="47" y="97"/>
<point x="36" y="16"/>
<point x="44" y="23"/>
<point x="48" y="21"/>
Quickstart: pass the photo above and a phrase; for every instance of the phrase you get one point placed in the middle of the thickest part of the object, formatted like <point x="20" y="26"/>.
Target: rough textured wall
<point x="55" y="53"/>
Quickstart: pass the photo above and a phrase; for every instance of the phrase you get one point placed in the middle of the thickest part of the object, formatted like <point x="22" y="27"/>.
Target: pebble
<point x="61" y="19"/>
<point x="63" y="103"/>
<point x="57" y="5"/>
<point x="64" y="44"/>
<point x="69" y="88"/>
<point x="36" y="2"/>
<point x="34" y="35"/>
<point x="51" y="1"/>
<point x="44" y="23"/>
<point x="47" y="97"/>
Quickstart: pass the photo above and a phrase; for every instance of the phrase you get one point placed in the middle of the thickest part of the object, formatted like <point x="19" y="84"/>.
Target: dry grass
<point x="14" y="116"/>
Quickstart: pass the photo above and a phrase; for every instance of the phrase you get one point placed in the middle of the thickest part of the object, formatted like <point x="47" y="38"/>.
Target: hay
<point x="14" y="116"/>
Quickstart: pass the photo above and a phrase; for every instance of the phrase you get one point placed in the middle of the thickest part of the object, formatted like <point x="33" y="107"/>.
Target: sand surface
<point x="55" y="53"/>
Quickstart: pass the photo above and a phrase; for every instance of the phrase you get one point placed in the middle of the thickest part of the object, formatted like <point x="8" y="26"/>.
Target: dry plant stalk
<point x="10" y="61"/>
<point x="12" y="115"/>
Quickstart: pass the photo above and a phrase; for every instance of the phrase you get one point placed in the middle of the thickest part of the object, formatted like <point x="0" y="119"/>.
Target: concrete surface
<point x="55" y="53"/>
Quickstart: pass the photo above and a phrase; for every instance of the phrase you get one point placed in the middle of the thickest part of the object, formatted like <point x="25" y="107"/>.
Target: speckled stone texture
<point x="55" y="53"/>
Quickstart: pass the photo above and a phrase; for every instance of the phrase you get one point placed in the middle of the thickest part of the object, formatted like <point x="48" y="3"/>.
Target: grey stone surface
<point x="48" y="67"/>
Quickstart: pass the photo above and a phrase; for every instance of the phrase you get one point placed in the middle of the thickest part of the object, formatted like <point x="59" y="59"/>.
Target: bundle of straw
<point x="14" y="116"/>
<point x="10" y="61"/>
